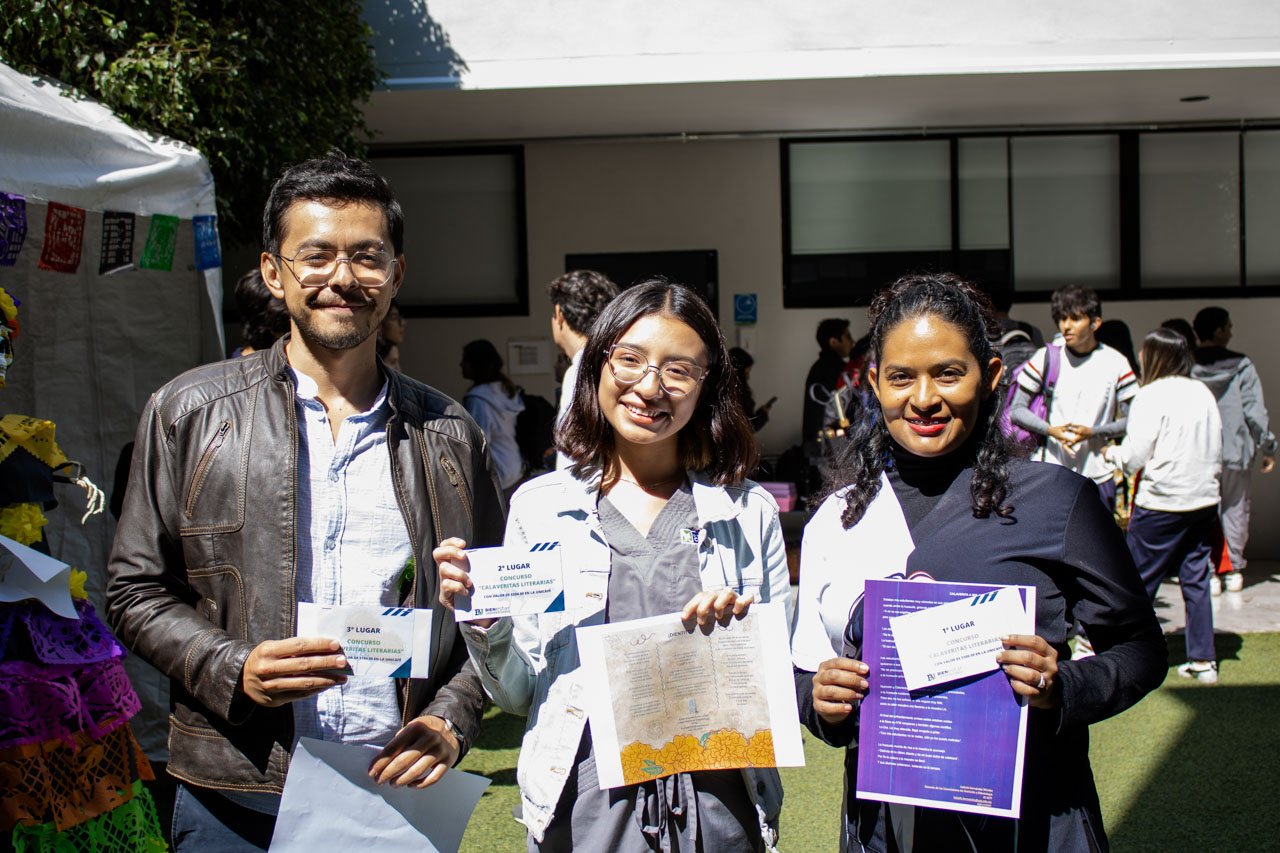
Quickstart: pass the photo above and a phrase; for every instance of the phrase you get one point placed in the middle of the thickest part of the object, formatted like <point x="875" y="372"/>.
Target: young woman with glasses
<point x="927" y="488"/>
<point x="655" y="516"/>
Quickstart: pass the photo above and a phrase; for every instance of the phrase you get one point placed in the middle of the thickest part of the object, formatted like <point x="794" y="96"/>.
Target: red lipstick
<point x="927" y="427"/>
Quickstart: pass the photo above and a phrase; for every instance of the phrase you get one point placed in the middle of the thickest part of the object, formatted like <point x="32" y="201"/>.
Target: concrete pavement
<point x="1255" y="609"/>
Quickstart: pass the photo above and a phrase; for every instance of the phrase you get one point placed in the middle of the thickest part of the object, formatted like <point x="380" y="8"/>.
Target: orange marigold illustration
<point x="633" y="757"/>
<point x="719" y="750"/>
<point x="685" y="752"/>
<point x="727" y="749"/>
<point x="760" y="749"/>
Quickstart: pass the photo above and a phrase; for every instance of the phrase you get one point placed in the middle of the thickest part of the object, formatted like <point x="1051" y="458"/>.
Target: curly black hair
<point x="582" y="295"/>
<point x="860" y="464"/>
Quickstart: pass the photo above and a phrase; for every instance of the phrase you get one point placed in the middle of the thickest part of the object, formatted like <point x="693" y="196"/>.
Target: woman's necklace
<point x="651" y="486"/>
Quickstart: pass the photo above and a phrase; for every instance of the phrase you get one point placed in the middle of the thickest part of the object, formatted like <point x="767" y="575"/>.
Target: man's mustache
<point x="320" y="300"/>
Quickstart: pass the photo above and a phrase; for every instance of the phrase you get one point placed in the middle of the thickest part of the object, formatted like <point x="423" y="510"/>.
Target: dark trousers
<point x="204" y="820"/>
<point x="1162" y="542"/>
<point x="1107" y="491"/>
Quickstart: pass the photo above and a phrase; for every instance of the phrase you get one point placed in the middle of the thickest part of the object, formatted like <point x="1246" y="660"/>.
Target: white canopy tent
<point x="93" y="347"/>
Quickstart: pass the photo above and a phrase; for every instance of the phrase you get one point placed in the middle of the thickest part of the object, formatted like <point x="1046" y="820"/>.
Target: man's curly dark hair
<point x="582" y="295"/>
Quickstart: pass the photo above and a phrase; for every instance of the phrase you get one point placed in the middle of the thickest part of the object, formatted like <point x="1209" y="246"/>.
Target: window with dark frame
<point x="465" y="237"/>
<point x="1137" y="214"/>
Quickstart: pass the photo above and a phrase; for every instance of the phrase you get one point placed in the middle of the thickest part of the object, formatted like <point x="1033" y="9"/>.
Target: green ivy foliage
<point x="255" y="85"/>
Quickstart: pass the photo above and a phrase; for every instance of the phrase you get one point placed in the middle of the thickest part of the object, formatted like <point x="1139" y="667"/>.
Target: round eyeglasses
<point x="316" y="268"/>
<point x="676" y="378"/>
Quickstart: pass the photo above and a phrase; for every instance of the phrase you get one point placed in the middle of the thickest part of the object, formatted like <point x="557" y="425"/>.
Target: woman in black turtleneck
<point x="959" y="508"/>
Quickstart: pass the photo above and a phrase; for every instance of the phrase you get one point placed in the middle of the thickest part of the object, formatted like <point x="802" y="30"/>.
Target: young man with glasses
<point x="301" y="473"/>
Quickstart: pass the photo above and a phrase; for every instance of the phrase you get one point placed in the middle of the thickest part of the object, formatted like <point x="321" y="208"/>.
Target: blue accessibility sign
<point x="744" y="309"/>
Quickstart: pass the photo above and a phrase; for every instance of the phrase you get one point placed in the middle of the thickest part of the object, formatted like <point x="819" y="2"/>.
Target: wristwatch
<point x="457" y="733"/>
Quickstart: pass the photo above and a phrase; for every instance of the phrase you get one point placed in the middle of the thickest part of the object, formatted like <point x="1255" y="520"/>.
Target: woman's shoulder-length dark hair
<point x="717" y="442"/>
<point x="1165" y="353"/>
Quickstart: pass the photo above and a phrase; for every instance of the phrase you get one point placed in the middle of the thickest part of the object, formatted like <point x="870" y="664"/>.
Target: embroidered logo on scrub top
<point x="690" y="536"/>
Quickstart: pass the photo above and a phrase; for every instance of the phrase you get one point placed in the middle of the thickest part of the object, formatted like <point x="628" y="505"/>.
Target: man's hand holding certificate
<point x="941" y="644"/>
<point x="378" y="642"/>
<point x="512" y="582"/>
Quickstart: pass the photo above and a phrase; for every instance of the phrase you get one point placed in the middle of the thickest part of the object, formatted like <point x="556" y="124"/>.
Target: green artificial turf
<point x="1189" y="767"/>
<point x="1193" y="766"/>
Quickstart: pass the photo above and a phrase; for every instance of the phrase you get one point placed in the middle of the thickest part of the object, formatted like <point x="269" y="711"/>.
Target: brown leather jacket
<point x="203" y="565"/>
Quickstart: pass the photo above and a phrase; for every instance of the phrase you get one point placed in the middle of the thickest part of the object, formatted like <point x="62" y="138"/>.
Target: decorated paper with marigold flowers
<point x="667" y="699"/>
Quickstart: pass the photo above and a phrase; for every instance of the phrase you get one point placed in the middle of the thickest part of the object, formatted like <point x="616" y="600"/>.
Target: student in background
<point x="389" y="353"/>
<point x="742" y="362"/>
<point x="1116" y="334"/>
<point x="391" y="336"/>
<point x="1001" y="305"/>
<point x="1246" y="431"/>
<point x="1174" y="437"/>
<point x="495" y="402"/>
<point x="1183" y="328"/>
<point x="577" y="298"/>
<point x="263" y="317"/>
<point x="929" y="486"/>
<point x="825" y="375"/>
<point x="660" y="447"/>
<point x="1088" y="402"/>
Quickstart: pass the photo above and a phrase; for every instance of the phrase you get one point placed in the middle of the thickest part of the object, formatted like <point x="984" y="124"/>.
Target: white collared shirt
<point x="352" y="549"/>
<point x="569" y="380"/>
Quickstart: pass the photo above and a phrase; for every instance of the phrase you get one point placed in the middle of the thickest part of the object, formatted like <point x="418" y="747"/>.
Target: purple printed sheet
<point x="959" y="746"/>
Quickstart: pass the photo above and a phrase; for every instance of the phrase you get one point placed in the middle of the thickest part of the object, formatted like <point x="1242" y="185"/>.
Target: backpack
<point x="1039" y="403"/>
<point x="1014" y="348"/>
<point x="535" y="431"/>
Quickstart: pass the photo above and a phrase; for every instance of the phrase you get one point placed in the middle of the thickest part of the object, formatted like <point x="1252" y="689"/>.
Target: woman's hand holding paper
<point x="712" y="606"/>
<point x="1032" y="667"/>
<point x="455" y="579"/>
<point x="838" y="684"/>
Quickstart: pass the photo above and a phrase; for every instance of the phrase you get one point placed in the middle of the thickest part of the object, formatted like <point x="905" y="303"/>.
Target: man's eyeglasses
<point x="677" y="378"/>
<point x="316" y="268"/>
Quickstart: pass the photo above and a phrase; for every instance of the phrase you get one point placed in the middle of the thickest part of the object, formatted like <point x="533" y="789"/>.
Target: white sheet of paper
<point x="26" y="573"/>
<point x="330" y="803"/>
<point x="959" y="639"/>
<point x="513" y="582"/>
<point x="379" y="642"/>
<point x="652" y="680"/>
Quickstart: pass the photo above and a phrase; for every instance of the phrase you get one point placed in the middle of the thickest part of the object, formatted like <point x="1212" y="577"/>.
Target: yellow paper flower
<point x="7" y="306"/>
<point x="22" y="523"/>
<point x="78" y="580"/>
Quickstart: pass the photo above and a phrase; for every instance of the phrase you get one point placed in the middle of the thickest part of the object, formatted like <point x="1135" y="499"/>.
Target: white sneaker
<point x="1203" y="671"/>
<point x="1235" y="581"/>
<point x="1215" y="585"/>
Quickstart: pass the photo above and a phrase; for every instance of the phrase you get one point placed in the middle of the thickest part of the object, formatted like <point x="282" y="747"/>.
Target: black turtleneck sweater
<point x="919" y="482"/>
